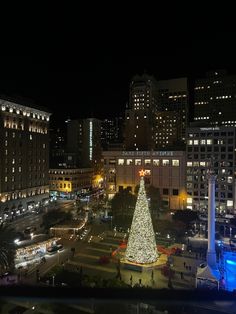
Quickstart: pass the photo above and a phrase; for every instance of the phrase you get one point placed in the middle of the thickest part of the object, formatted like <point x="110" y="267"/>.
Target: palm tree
<point x="7" y="248"/>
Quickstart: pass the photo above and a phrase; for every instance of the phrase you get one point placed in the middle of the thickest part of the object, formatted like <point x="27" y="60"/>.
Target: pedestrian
<point x="170" y="284"/>
<point x="140" y="282"/>
<point x="152" y="275"/>
<point x="184" y="264"/>
<point x="131" y="280"/>
<point x="181" y="275"/>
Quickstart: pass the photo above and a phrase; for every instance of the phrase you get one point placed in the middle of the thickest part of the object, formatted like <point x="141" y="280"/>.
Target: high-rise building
<point x="215" y="98"/>
<point x="172" y="112"/>
<point x="111" y="132"/>
<point x="24" y="151"/>
<point x="168" y="130"/>
<point x="139" y="116"/>
<point x="84" y="141"/>
<point x="157" y="116"/>
<point x="57" y="147"/>
<point x="211" y="147"/>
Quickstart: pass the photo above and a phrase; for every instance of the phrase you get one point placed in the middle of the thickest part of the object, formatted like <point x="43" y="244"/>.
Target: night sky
<point x="84" y="69"/>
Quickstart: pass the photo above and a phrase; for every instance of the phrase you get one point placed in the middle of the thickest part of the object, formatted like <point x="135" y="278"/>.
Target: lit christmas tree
<point x="141" y="247"/>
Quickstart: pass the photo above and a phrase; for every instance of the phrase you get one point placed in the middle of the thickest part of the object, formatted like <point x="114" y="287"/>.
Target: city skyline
<point x="97" y="85"/>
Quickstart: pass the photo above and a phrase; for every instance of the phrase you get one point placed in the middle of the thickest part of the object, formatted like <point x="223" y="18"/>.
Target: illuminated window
<point x="30" y="137"/>
<point x="189" y="164"/>
<point x="195" y="142"/>
<point x="13" y="160"/>
<point x="175" y="162"/>
<point x="209" y="142"/>
<point x="156" y="162"/>
<point x="202" y="142"/>
<point x="189" y="200"/>
<point x="147" y="172"/>
<point x="137" y="162"/>
<point x="202" y="163"/>
<point x="5" y="179"/>
<point x="230" y="180"/>
<point x="13" y="169"/>
<point x="147" y="161"/>
<point x="190" y="142"/>
<point x="229" y="203"/>
<point x="129" y="162"/>
<point x="6" y="143"/>
<point x="121" y="162"/>
<point x="165" y="162"/>
<point x="19" y="169"/>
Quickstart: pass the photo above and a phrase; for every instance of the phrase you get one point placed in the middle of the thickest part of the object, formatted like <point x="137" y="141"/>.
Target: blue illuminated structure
<point x="230" y="270"/>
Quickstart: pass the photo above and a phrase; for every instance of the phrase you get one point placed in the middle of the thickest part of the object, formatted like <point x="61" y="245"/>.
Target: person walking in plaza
<point x="152" y="276"/>
<point x="131" y="280"/>
<point x="181" y="275"/>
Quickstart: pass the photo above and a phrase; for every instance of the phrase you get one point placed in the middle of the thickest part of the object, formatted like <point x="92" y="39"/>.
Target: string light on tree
<point x="141" y="247"/>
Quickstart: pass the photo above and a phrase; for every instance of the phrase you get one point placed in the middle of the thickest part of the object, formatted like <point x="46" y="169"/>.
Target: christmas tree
<point x="141" y="247"/>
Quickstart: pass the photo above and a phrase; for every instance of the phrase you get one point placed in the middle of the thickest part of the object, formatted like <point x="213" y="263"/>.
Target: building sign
<point x="210" y="129"/>
<point x="139" y="153"/>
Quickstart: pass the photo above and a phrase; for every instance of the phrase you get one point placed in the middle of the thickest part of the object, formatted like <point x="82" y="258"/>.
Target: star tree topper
<point x="142" y="173"/>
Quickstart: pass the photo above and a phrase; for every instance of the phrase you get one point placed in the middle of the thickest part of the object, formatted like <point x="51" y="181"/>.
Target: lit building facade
<point x="57" y="147"/>
<point x="84" y="140"/>
<point x="215" y="145"/>
<point x="157" y="115"/>
<point x="67" y="183"/>
<point x="24" y="151"/>
<point x="215" y="98"/>
<point x="163" y="169"/>
<point x="139" y="116"/>
<point x="172" y="112"/>
<point x="111" y="132"/>
<point x="168" y="132"/>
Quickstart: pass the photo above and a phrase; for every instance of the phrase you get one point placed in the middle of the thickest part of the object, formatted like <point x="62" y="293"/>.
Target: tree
<point x="175" y="229"/>
<point x="7" y="248"/>
<point x="122" y="206"/>
<point x="141" y="247"/>
<point x="155" y="198"/>
<point x="186" y="216"/>
<point x="53" y="217"/>
<point x="154" y="194"/>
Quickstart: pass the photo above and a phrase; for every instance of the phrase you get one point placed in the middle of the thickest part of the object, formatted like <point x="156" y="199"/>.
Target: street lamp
<point x="58" y="257"/>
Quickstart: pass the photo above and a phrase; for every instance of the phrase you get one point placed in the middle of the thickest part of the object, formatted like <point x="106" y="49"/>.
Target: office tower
<point x="57" y="147"/>
<point x="172" y="113"/>
<point x="157" y="116"/>
<point x="84" y="141"/>
<point x="215" y="98"/>
<point x="24" y="151"/>
<point x="139" y="116"/>
<point x="111" y="132"/>
<point x="216" y="146"/>
<point x="168" y="130"/>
